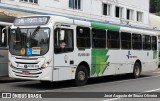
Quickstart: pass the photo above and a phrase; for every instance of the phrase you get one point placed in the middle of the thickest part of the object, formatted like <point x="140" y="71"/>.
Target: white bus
<point x="4" y="31"/>
<point x="54" y="48"/>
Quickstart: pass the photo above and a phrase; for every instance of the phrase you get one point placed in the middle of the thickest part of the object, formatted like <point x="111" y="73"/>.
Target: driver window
<point x="63" y="45"/>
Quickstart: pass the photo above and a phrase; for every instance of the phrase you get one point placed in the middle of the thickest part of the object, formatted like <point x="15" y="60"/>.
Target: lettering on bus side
<point x="83" y="54"/>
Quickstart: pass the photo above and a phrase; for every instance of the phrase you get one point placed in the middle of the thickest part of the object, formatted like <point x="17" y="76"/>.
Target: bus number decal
<point x="83" y="54"/>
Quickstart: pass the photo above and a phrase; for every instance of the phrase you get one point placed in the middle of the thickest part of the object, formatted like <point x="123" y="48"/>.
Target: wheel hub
<point x="81" y="76"/>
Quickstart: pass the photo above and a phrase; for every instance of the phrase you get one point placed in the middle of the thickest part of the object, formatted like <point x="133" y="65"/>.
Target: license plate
<point x="25" y="72"/>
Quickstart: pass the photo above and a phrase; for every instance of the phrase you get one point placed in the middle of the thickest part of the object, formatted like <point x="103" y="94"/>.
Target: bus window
<point x="113" y="40"/>
<point x="136" y="41"/>
<point x="146" y="42"/>
<point x="99" y="38"/>
<point x="83" y="37"/>
<point x="125" y="40"/>
<point x="65" y="45"/>
<point x="154" y="43"/>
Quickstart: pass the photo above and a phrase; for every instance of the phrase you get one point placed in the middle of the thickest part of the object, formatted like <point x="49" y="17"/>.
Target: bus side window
<point x="113" y="39"/>
<point x="154" y="43"/>
<point x="83" y="37"/>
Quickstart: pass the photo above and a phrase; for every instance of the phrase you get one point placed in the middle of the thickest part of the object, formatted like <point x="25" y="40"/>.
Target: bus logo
<point x="130" y="56"/>
<point x="25" y="66"/>
<point x="22" y="51"/>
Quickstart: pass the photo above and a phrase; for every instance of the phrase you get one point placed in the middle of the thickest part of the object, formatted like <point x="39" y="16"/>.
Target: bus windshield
<point x="29" y="41"/>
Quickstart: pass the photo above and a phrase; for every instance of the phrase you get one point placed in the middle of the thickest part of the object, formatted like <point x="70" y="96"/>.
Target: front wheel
<point x="81" y="76"/>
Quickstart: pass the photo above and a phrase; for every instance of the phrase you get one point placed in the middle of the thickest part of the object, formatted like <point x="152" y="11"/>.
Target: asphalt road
<point x="148" y="82"/>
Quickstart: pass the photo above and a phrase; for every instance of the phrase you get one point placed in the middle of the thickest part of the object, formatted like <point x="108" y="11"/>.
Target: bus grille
<point x="33" y="73"/>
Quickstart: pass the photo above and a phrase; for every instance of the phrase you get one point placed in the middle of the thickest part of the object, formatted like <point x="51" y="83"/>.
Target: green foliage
<point x="155" y="6"/>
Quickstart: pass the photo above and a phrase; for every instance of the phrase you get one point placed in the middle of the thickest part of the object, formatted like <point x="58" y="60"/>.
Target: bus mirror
<point x="3" y="35"/>
<point x="2" y="40"/>
<point x="62" y="34"/>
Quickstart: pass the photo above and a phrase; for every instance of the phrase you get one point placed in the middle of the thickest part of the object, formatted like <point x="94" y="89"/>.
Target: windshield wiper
<point x="33" y="35"/>
<point x="35" y="32"/>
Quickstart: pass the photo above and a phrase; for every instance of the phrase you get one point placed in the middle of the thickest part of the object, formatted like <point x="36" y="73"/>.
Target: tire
<point x="136" y="71"/>
<point x="81" y="76"/>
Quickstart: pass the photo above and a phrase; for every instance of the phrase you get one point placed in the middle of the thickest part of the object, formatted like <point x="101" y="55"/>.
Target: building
<point x="155" y="23"/>
<point x="130" y="12"/>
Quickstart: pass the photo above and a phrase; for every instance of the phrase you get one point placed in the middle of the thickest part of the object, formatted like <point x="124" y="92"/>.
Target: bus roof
<point x="65" y="20"/>
<point x="5" y="23"/>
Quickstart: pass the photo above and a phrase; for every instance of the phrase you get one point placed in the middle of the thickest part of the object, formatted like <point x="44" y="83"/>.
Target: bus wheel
<point x="81" y="76"/>
<point x="136" y="70"/>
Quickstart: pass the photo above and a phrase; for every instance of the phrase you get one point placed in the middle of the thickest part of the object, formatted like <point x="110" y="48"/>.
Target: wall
<point x="91" y="9"/>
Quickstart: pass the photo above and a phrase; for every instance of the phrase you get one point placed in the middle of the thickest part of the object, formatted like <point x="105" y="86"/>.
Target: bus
<point x="55" y="48"/>
<point x="4" y="31"/>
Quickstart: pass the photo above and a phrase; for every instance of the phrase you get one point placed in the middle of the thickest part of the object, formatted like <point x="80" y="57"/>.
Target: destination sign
<point x="30" y="21"/>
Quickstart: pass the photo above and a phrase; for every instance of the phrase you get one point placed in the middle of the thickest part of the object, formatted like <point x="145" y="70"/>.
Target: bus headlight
<point x="45" y="65"/>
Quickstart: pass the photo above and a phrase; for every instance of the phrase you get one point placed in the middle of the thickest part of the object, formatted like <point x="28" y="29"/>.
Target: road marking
<point x="102" y="83"/>
<point x="112" y="99"/>
<point x="135" y="93"/>
<point x="153" y="90"/>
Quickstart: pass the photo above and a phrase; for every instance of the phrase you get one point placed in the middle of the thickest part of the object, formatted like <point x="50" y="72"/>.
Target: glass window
<point x="113" y="40"/>
<point x="146" y="42"/>
<point x="136" y="41"/>
<point x="119" y="12"/>
<point x="75" y="4"/>
<point x="29" y="38"/>
<point x="63" y="42"/>
<point x="30" y="1"/>
<point x="139" y="16"/>
<point x="99" y="38"/>
<point x="129" y="14"/>
<point x="154" y="43"/>
<point x="106" y="9"/>
<point x="125" y="40"/>
<point x="83" y="37"/>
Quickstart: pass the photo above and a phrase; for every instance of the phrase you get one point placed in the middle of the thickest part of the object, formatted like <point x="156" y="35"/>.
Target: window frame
<point x="113" y="40"/>
<point x="139" y="14"/>
<point x="29" y="1"/>
<point x="126" y="40"/>
<point x="136" y="41"/>
<point x="75" y="4"/>
<point x="98" y="38"/>
<point x="145" y="43"/>
<point x="87" y="47"/>
<point x="131" y="14"/>
<point x="154" y="43"/>
<point x="121" y="12"/>
<point x="108" y="9"/>
<point x="65" y="51"/>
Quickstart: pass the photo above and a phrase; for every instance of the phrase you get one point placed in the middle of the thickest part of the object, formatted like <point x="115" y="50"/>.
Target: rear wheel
<point x="137" y="70"/>
<point x="81" y="76"/>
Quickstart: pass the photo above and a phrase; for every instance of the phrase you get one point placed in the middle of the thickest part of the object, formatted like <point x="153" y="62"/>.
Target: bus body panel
<point x="3" y="62"/>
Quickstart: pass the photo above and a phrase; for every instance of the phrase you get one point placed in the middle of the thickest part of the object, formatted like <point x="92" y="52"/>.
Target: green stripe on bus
<point x="105" y="26"/>
<point x="99" y="61"/>
<point x="155" y="54"/>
